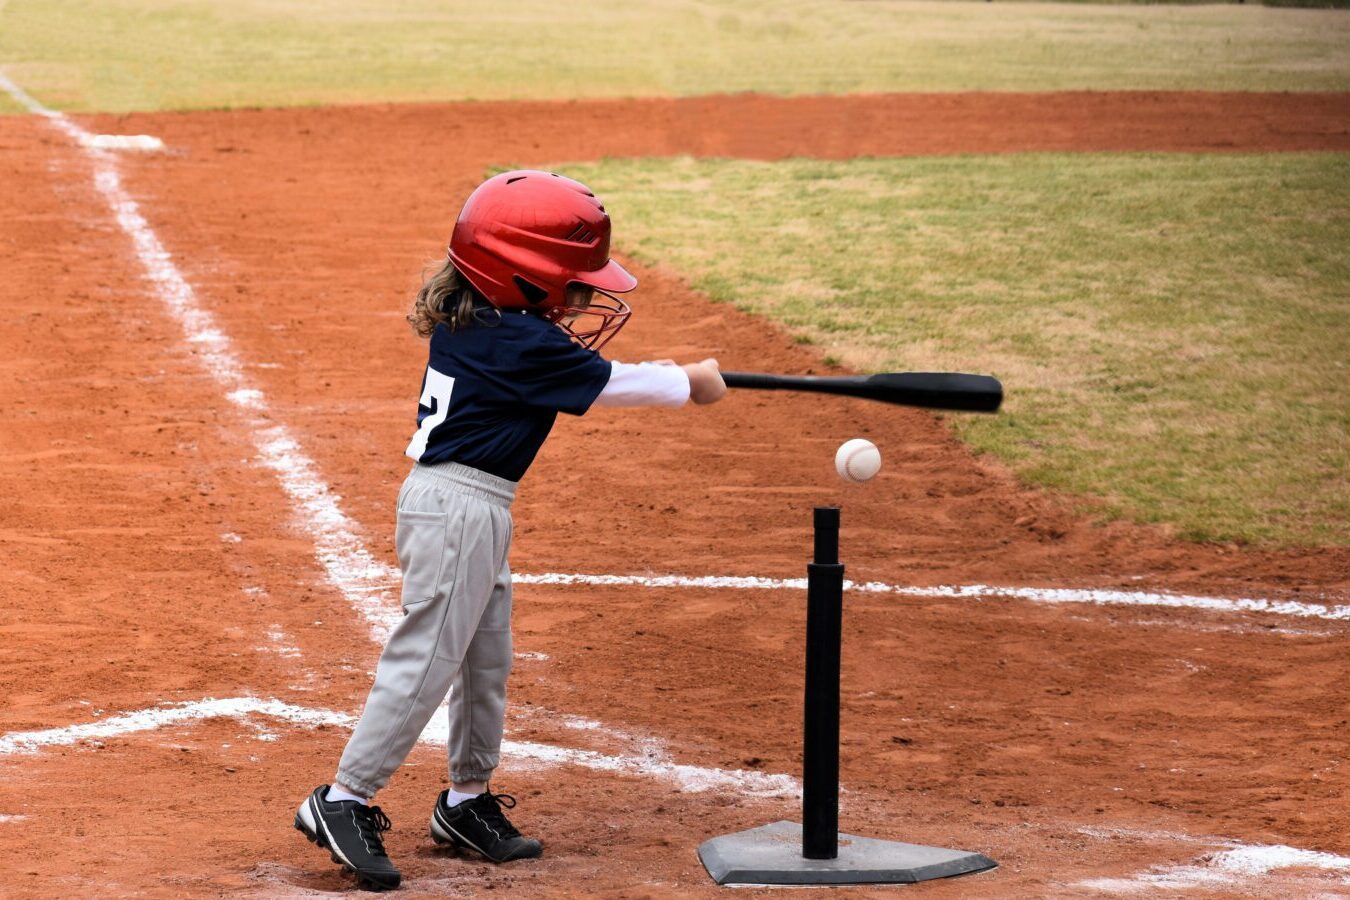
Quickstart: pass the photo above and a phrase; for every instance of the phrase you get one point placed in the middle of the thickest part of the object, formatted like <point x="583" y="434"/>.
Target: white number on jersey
<point x="436" y="397"/>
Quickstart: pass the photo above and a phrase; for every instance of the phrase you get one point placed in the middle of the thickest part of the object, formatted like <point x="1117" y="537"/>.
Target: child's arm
<point x="662" y="383"/>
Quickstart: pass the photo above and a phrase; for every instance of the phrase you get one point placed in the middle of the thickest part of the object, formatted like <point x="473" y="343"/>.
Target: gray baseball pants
<point x="454" y="531"/>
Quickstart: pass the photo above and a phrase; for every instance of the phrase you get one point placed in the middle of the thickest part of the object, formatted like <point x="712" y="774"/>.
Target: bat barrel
<point x="955" y="391"/>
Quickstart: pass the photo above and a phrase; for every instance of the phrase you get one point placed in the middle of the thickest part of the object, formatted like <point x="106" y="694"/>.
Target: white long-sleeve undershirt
<point x="644" y="384"/>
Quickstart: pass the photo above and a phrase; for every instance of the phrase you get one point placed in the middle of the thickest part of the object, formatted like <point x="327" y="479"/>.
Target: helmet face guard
<point x="592" y="326"/>
<point x="524" y="236"/>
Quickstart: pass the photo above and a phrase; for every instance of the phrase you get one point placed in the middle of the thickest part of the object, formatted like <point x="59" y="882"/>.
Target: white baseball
<point x="857" y="460"/>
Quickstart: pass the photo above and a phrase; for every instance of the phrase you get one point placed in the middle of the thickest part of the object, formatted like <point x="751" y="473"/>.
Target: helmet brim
<point x="612" y="277"/>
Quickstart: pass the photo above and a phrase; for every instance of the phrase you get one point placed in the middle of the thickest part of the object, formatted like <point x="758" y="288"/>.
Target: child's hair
<point x="446" y="297"/>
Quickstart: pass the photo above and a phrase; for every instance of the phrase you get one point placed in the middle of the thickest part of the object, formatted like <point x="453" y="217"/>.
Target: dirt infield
<point x="150" y="557"/>
<point x="759" y="127"/>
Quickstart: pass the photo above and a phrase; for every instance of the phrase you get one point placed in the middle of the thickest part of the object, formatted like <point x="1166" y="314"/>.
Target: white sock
<point x="454" y="798"/>
<point x="336" y="793"/>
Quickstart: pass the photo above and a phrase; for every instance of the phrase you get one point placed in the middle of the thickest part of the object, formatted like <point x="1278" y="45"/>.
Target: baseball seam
<point x="848" y="463"/>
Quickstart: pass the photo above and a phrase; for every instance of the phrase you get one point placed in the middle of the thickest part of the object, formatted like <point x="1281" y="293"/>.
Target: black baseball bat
<point x="931" y="390"/>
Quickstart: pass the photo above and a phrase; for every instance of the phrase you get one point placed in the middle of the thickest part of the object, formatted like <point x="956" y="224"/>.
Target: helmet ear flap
<point x="533" y="293"/>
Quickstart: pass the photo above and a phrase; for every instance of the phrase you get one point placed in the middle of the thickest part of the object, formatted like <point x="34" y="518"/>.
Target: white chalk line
<point x="959" y="592"/>
<point x="349" y="566"/>
<point x="1219" y="869"/>
<point x="651" y="760"/>
<point x="165" y="716"/>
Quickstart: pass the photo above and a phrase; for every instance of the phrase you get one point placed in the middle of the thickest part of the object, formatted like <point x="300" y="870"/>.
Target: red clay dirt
<point x="149" y="558"/>
<point x="753" y="126"/>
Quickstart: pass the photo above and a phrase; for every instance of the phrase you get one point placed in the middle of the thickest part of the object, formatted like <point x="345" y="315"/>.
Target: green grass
<point x="1173" y="331"/>
<point x="120" y="55"/>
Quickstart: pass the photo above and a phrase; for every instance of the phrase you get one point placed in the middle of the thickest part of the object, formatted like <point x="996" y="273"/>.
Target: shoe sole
<point x="444" y="835"/>
<point x="317" y="837"/>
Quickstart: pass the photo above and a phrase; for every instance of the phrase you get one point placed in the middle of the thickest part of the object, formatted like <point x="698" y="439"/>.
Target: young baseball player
<point x="515" y="317"/>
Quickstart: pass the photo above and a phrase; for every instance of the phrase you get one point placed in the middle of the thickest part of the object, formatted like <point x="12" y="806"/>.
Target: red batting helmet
<point x="524" y="236"/>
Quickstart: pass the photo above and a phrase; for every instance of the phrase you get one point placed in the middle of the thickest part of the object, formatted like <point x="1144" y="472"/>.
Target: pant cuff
<point x="459" y="776"/>
<point x="358" y="785"/>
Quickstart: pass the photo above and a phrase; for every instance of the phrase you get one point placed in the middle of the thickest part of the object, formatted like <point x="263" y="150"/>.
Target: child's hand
<point x="705" y="382"/>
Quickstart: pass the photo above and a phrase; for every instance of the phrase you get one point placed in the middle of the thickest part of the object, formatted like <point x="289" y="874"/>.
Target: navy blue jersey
<point x="491" y="393"/>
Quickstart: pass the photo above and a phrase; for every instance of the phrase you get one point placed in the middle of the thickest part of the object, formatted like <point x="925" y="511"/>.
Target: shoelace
<point x="373" y="822"/>
<point x="490" y="806"/>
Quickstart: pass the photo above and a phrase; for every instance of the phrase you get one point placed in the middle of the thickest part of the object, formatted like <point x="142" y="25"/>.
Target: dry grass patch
<point x="1173" y="330"/>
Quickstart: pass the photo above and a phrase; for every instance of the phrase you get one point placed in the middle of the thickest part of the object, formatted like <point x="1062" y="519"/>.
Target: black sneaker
<point x="479" y="824"/>
<point x="350" y="832"/>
